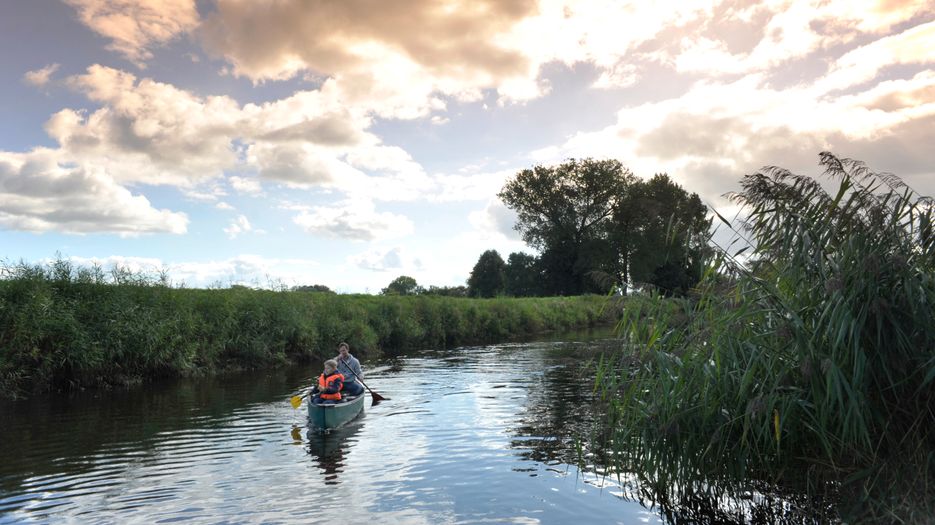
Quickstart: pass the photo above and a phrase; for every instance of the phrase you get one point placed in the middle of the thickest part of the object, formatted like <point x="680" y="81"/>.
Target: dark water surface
<point x="470" y="435"/>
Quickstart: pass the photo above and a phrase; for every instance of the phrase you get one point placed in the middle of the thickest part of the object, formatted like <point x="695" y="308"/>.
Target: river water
<point x="468" y="435"/>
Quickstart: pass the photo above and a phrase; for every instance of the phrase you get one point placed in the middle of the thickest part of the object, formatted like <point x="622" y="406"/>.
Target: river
<point x="468" y="435"/>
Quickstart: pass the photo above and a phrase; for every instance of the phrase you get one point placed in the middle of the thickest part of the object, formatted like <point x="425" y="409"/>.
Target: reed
<point x="804" y="360"/>
<point x="63" y="326"/>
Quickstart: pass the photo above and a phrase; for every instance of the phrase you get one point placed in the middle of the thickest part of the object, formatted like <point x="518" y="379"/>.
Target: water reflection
<point x="483" y="434"/>
<point x="329" y="450"/>
<point x="562" y="423"/>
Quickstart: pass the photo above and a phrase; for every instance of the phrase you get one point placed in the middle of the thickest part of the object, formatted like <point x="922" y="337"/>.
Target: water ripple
<point x="469" y="436"/>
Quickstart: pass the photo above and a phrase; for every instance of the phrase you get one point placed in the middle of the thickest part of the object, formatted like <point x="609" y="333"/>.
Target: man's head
<point x="344" y="350"/>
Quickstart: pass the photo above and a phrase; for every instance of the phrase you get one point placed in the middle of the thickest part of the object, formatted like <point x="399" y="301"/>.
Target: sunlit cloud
<point x="134" y="27"/>
<point x="42" y="76"/>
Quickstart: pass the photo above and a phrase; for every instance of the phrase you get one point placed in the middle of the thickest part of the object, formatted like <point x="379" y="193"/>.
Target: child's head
<point x="330" y="366"/>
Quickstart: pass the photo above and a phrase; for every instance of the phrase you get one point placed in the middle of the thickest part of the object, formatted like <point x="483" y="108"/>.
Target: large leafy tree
<point x="596" y="224"/>
<point x="487" y="277"/>
<point x="660" y="233"/>
<point x="562" y="210"/>
<point x="522" y="275"/>
<point x="402" y="285"/>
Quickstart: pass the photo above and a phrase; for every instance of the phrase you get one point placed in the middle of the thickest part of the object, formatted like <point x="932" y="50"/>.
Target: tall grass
<point x="66" y="326"/>
<point x="808" y="359"/>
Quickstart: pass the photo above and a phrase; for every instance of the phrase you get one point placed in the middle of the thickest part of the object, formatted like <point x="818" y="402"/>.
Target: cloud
<point x="148" y="131"/>
<point x="40" y="192"/>
<point x="383" y="260"/>
<point x="710" y="136"/>
<point x="238" y="226"/>
<point x="40" y="77"/>
<point x="495" y="220"/>
<point x="134" y="27"/>
<point x="245" y="185"/>
<point x="454" y="41"/>
<point x="245" y="269"/>
<point x="355" y="220"/>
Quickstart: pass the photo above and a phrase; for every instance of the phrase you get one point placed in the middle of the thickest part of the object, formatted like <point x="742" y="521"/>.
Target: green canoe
<point x="328" y="417"/>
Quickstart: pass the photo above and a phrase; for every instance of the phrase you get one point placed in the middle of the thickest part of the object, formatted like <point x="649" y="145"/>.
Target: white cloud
<point x="245" y="269"/>
<point x="495" y="221"/>
<point x="710" y="136"/>
<point x="355" y="220"/>
<point x="40" y="191"/>
<point x="912" y="46"/>
<point x="224" y="206"/>
<point x="245" y="185"/>
<point x="40" y="77"/>
<point x="394" y="259"/>
<point x="136" y="26"/>
<point x="238" y="226"/>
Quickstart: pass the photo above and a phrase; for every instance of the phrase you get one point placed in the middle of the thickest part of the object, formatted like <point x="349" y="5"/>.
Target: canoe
<point x="329" y="417"/>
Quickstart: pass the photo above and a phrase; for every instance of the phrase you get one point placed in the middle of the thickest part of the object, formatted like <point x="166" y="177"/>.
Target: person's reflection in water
<point x="329" y="450"/>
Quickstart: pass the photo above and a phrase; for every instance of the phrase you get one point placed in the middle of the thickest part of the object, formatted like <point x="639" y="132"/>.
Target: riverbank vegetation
<point x="806" y="358"/>
<point x="63" y="326"/>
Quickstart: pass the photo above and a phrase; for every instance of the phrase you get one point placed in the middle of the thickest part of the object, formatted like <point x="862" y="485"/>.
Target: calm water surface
<point x="470" y="435"/>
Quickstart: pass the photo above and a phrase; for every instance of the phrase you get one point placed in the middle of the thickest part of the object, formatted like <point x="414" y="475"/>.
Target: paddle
<point x="295" y="401"/>
<point x="376" y="397"/>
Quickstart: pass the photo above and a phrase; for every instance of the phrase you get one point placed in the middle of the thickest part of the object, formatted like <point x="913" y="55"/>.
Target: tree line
<point x="597" y="228"/>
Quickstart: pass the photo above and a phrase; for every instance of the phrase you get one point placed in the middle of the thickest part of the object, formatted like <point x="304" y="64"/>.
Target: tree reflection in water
<point x="563" y="423"/>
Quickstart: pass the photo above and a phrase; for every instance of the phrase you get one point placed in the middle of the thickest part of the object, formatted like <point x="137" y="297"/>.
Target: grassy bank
<point x="62" y="326"/>
<point x="809" y="364"/>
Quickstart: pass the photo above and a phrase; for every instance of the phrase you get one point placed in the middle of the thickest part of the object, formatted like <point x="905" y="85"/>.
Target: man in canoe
<point x="330" y="382"/>
<point x="349" y="367"/>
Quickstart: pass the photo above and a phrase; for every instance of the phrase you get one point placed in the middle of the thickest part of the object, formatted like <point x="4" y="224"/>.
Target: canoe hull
<point x="329" y="417"/>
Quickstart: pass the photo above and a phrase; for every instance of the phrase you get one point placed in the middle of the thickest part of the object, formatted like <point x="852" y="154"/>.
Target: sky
<point x="348" y="142"/>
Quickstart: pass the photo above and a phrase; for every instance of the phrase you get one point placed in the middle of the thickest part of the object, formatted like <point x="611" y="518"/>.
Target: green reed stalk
<point x="811" y="357"/>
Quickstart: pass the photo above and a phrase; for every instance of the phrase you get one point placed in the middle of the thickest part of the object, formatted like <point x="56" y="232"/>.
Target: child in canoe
<point x="330" y="383"/>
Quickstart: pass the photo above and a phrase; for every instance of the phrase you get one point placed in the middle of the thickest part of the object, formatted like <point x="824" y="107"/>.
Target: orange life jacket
<point x="326" y="382"/>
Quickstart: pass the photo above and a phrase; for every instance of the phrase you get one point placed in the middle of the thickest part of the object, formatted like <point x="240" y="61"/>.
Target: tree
<point x="661" y="232"/>
<point x="561" y="210"/>
<point x="447" y="291"/>
<point x="402" y="285"/>
<point x="522" y="276"/>
<point x="312" y="288"/>
<point x="486" y="278"/>
<point x="596" y="225"/>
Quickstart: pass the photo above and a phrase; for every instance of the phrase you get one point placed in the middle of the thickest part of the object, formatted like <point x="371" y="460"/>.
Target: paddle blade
<point x="295" y="401"/>
<point x="377" y="397"/>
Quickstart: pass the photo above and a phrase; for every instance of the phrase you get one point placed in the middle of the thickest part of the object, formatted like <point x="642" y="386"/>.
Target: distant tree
<point x="522" y="275"/>
<point x="402" y="285"/>
<point x="312" y="288"/>
<point x="447" y="291"/>
<point x="487" y="277"/>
